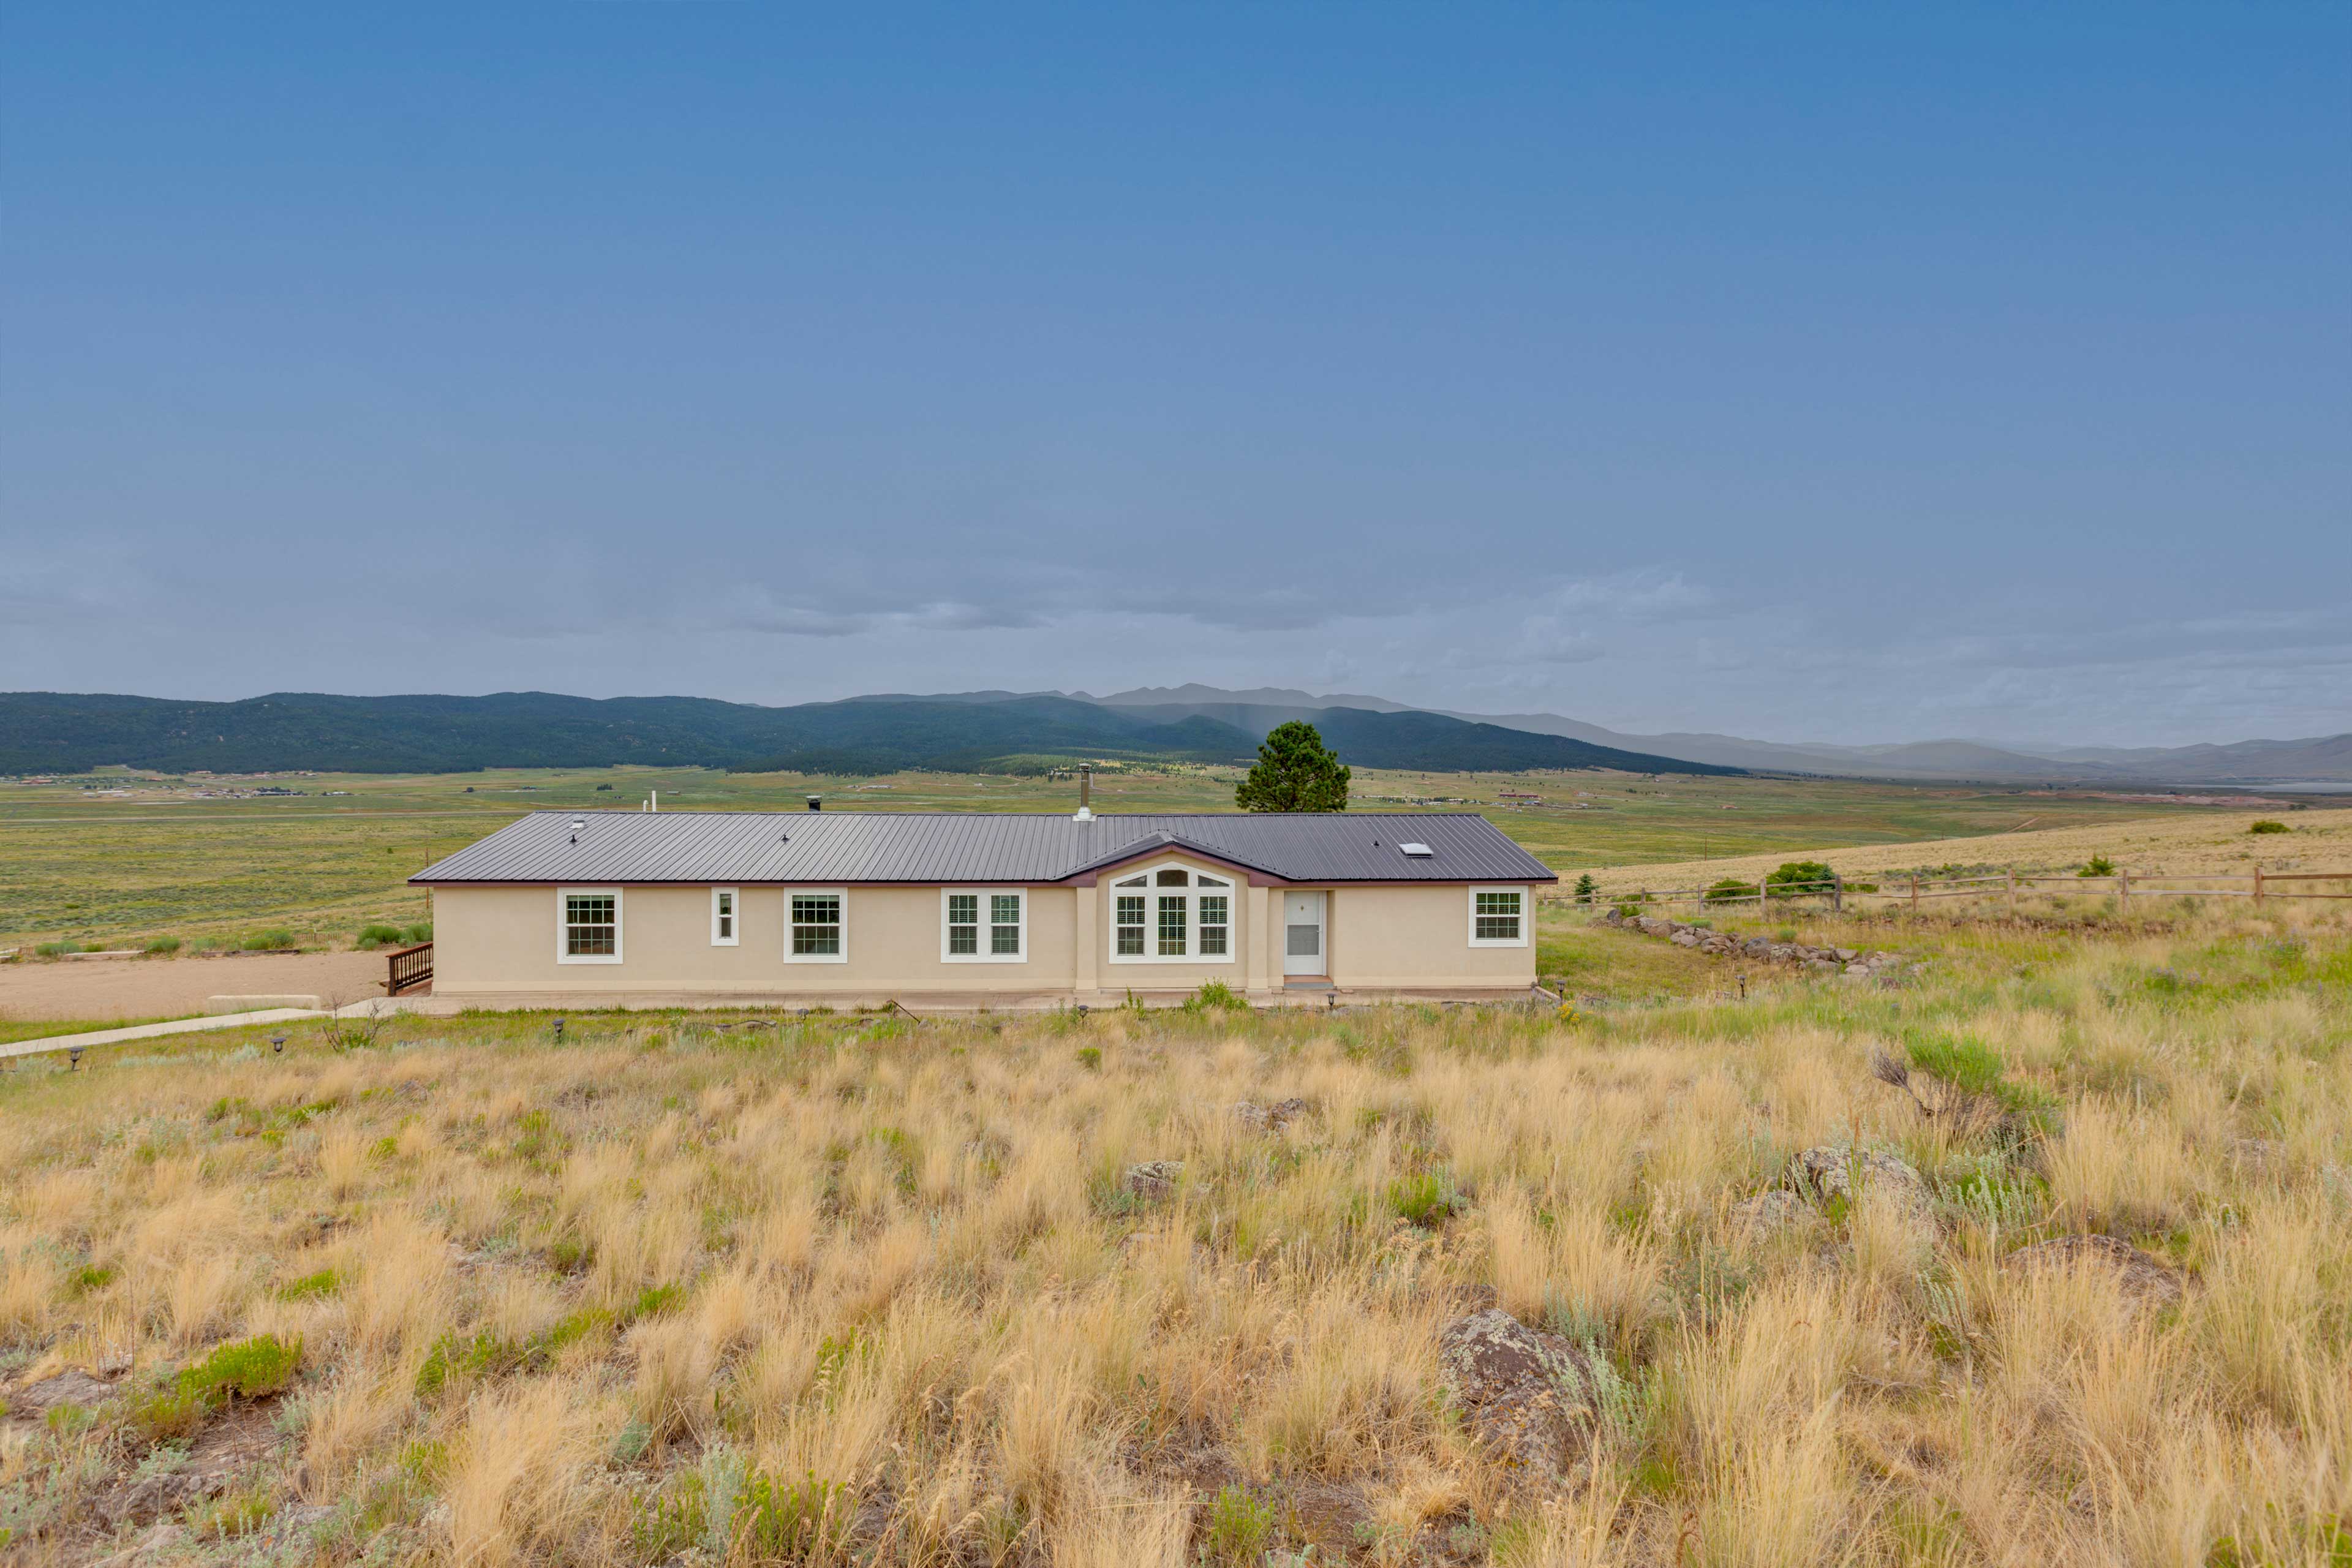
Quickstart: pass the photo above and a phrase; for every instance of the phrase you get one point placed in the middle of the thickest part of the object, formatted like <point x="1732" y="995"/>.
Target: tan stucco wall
<point x="1419" y="938"/>
<point x="501" y="942"/>
<point x="487" y="940"/>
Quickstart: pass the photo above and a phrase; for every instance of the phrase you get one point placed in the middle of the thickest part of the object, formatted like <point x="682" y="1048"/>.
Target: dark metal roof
<point x="822" y="847"/>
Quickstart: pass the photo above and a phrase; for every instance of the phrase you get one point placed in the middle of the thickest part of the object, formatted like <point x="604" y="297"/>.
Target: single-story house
<point x="663" y="908"/>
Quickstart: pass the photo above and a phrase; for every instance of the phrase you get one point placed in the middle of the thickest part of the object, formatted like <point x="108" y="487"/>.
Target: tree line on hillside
<point x="64" y="732"/>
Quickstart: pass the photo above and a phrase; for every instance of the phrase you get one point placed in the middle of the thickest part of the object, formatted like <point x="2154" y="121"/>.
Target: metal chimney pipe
<point x="1085" y="793"/>
<point x="816" y="803"/>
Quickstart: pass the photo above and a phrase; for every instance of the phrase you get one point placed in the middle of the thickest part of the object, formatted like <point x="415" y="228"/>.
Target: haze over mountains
<point x="1008" y="731"/>
<point x="2317" y="759"/>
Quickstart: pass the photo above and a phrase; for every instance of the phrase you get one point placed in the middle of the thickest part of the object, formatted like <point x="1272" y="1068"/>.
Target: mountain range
<point x="1016" y="731"/>
<point x="2318" y="759"/>
<point x="45" y="732"/>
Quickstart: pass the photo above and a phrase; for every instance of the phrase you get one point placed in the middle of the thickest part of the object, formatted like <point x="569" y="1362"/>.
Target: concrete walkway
<point x="149" y="1031"/>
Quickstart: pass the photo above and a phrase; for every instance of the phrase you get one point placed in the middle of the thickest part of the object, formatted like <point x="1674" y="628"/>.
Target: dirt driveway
<point x="175" y="987"/>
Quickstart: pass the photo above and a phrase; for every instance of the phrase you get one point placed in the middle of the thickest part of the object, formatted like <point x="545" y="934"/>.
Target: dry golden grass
<point x="852" y="1291"/>
<point x="2318" y="840"/>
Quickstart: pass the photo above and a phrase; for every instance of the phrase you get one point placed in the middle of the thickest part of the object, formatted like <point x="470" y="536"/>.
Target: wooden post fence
<point x="2258" y="884"/>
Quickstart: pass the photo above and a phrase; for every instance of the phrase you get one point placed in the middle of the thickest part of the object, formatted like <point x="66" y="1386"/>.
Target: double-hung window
<point x="1172" y="914"/>
<point x="1498" y="917"/>
<point x="725" y="905"/>
<point x="588" y="926"/>
<point x="983" y="925"/>
<point x="814" y="929"/>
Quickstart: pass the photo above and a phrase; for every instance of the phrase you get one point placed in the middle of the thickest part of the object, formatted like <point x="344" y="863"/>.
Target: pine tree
<point x="1295" y="772"/>
<point x="1585" y="888"/>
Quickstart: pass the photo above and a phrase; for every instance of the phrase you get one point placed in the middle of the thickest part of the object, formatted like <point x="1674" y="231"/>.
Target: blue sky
<point x="1850" y="374"/>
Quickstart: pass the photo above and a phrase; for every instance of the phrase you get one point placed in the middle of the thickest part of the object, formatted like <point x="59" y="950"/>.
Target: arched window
<point x="1172" y="914"/>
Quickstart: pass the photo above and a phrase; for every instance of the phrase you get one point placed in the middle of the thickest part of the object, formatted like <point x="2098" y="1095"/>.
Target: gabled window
<point x="984" y="925"/>
<point x="588" y="925"/>
<point x="725" y="907"/>
<point x="1498" y="917"/>
<point x="814" y="927"/>
<point x="1175" y="915"/>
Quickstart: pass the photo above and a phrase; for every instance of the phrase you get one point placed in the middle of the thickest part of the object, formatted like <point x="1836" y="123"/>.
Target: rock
<point x="1847" y="955"/>
<point x="1757" y="947"/>
<point x="1774" y="1210"/>
<point x="1270" y="1117"/>
<point x="1154" y="1179"/>
<point x="1652" y="925"/>
<point x="2147" y="1279"/>
<point x="73" y="1386"/>
<point x="1685" y="939"/>
<point x="1529" y="1398"/>
<point x="1828" y="1172"/>
<point x="149" y="1548"/>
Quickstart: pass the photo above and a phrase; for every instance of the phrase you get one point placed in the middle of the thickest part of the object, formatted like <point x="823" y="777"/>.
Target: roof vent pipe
<point x="1085" y="793"/>
<point x="653" y="800"/>
<point x="816" y="803"/>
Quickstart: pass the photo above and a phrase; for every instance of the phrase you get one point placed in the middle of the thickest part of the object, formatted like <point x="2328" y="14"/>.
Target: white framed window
<point x="587" y="925"/>
<point x="816" y="926"/>
<point x="983" y="925"/>
<point x="726" y="918"/>
<point x="1498" y="917"/>
<point x="1172" y="914"/>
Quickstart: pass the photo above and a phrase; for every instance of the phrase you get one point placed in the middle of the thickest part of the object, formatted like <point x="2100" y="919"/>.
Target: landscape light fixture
<point x="278" y="1044"/>
<point x="73" y="1059"/>
<point x="558" y="1031"/>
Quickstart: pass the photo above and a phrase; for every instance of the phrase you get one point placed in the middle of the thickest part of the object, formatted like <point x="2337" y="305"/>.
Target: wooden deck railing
<point x="2125" y="885"/>
<point x="410" y="967"/>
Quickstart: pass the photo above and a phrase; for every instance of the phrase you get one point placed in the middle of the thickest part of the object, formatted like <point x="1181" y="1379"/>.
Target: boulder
<point x="1531" y="1399"/>
<point x="1654" y="925"/>
<point x="2147" y="1279"/>
<point x="1829" y="1172"/>
<point x="1153" y="1179"/>
<point x="1685" y="939"/>
<point x="1270" y="1117"/>
<point x="72" y="1387"/>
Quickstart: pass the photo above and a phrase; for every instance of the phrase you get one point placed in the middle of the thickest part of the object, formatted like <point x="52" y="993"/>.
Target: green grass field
<point x="116" y="856"/>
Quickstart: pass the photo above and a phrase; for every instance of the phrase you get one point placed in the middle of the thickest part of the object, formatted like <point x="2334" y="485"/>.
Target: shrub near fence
<point x="2124" y="884"/>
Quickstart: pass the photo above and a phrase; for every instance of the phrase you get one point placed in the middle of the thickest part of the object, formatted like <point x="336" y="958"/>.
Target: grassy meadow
<point x="852" y="1289"/>
<point x="140" y="858"/>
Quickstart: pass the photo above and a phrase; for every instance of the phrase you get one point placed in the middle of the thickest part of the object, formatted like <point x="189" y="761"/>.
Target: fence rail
<point x="1916" y="890"/>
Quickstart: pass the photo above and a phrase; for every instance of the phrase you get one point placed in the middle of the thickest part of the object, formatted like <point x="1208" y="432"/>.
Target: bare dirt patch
<point x="175" y="987"/>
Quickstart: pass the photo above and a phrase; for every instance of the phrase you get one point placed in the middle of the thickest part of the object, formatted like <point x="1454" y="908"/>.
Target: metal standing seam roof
<point x="845" y="847"/>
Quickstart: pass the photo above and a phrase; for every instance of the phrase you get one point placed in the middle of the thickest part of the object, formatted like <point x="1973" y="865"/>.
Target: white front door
<point x="1302" y="933"/>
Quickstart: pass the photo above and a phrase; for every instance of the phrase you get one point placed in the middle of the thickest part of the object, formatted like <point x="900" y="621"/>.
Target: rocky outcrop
<point x="2144" y="1278"/>
<point x="1830" y="1173"/>
<point x="1847" y="961"/>
<point x="1531" y="1399"/>
<point x="1270" y="1117"/>
<point x="73" y="1386"/>
<point x="1152" y="1180"/>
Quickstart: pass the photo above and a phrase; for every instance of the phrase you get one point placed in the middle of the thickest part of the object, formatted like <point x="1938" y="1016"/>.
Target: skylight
<point x="1418" y="851"/>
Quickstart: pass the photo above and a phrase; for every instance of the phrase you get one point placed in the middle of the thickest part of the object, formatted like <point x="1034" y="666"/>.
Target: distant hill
<point x="2318" y="759"/>
<point x="975" y="731"/>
